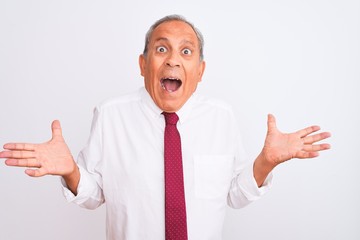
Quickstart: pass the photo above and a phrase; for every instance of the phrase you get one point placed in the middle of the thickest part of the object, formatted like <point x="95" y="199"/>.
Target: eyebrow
<point x="161" y="39"/>
<point x="182" y="42"/>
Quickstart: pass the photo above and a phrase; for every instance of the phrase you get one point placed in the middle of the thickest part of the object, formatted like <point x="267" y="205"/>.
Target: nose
<point x="173" y="60"/>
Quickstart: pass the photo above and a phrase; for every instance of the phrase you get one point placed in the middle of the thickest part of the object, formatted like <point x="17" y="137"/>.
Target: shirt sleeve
<point x="243" y="189"/>
<point x="89" y="191"/>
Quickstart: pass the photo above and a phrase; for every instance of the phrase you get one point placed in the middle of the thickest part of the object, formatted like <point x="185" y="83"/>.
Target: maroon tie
<point x="175" y="210"/>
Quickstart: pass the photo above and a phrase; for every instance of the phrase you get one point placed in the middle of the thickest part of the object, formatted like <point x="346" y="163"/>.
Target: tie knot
<point x="170" y="118"/>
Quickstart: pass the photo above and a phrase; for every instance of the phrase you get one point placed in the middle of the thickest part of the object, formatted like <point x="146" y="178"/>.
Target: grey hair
<point x="169" y="18"/>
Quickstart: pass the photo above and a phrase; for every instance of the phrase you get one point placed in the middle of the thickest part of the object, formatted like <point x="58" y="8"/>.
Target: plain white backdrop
<point x="299" y="60"/>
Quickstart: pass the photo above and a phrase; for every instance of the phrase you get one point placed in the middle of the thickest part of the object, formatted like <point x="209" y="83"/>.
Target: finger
<point x="20" y="146"/>
<point x="303" y="155"/>
<point x="30" y="162"/>
<point x="306" y="131"/>
<point x="17" y="154"/>
<point x="316" y="148"/>
<point x="35" y="172"/>
<point x="56" y="129"/>
<point x="316" y="138"/>
<point x="271" y="122"/>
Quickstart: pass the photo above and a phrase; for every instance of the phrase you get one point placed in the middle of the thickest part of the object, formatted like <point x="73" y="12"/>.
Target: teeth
<point x="170" y="78"/>
<point x="168" y="86"/>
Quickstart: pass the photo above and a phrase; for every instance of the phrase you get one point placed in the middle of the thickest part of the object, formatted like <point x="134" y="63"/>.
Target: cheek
<point x="153" y="69"/>
<point x="150" y="74"/>
<point x="194" y="77"/>
<point x="191" y="85"/>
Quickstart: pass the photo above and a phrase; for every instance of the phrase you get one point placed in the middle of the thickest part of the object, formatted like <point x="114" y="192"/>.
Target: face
<point x="172" y="67"/>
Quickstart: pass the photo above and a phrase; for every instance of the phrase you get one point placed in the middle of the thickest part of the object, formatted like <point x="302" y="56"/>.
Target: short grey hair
<point x="169" y="18"/>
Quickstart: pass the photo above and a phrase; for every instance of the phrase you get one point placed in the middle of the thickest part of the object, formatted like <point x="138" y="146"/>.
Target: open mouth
<point x="170" y="84"/>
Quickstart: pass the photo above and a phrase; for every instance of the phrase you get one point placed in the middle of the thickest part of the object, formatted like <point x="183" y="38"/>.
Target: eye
<point x="161" y="49"/>
<point x="186" y="51"/>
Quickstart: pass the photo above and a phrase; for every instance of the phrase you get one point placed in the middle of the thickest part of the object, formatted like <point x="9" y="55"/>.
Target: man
<point x="123" y="163"/>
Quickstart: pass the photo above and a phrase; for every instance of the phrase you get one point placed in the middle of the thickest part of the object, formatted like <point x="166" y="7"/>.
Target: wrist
<point x="262" y="167"/>
<point x="72" y="174"/>
<point x="72" y="179"/>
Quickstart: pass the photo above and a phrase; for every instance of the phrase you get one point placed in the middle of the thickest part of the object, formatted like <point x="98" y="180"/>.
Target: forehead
<point x="174" y="30"/>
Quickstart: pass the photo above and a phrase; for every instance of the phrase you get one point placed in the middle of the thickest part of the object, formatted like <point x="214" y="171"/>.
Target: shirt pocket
<point x="212" y="175"/>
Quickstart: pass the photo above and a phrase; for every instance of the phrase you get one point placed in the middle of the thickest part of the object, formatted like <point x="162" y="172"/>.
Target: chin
<point x="170" y="105"/>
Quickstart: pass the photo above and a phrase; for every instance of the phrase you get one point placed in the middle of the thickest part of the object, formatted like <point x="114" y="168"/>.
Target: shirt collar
<point x="152" y="109"/>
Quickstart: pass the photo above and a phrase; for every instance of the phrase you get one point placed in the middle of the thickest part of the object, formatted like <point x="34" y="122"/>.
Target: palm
<point x="280" y="147"/>
<point x="52" y="157"/>
<point x="55" y="156"/>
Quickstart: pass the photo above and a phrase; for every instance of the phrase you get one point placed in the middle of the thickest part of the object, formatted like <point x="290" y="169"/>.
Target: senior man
<point x="165" y="160"/>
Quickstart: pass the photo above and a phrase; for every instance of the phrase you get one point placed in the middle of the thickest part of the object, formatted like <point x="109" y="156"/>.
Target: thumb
<point x="271" y="122"/>
<point x="56" y="129"/>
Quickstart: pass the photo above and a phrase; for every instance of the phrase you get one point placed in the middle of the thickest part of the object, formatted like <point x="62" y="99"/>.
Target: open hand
<point x="52" y="157"/>
<point x="280" y="147"/>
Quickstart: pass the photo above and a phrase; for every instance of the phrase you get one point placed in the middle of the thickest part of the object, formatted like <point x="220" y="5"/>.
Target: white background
<point x="299" y="60"/>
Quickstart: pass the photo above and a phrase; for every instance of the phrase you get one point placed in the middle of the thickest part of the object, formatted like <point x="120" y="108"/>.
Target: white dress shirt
<point x="123" y="166"/>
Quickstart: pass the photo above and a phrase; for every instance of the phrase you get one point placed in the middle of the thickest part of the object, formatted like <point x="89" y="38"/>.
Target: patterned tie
<point x="175" y="210"/>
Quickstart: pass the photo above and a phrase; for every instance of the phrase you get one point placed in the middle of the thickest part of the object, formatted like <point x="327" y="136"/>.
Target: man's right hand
<point x="49" y="158"/>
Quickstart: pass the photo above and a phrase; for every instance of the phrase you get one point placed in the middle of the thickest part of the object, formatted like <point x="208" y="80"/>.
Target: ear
<point x="142" y="64"/>
<point x="201" y="69"/>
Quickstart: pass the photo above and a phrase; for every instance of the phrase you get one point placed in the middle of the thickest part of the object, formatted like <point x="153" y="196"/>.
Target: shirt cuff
<point x="83" y="189"/>
<point x="252" y="191"/>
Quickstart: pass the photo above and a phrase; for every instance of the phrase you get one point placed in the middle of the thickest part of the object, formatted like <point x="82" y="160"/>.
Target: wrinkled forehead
<point x="174" y="30"/>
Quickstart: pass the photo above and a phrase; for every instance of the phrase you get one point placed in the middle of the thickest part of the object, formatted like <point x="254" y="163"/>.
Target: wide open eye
<point x="186" y="51"/>
<point x="161" y="49"/>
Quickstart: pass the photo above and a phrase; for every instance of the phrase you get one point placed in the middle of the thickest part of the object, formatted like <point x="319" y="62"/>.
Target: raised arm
<point x="280" y="147"/>
<point x="50" y="158"/>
